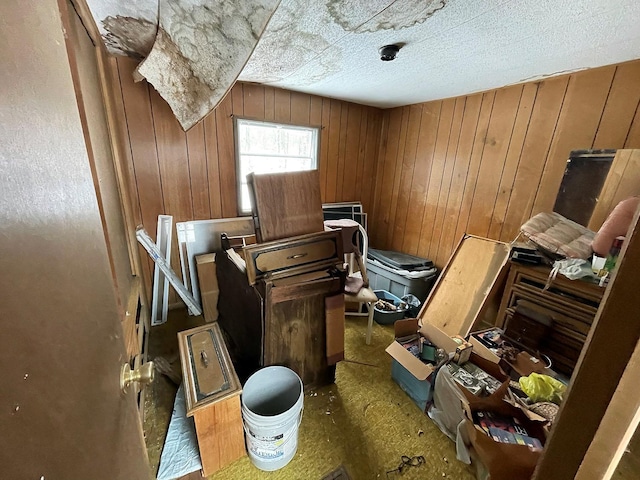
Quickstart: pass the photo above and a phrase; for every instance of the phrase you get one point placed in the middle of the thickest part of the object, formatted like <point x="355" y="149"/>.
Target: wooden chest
<point x="212" y="394"/>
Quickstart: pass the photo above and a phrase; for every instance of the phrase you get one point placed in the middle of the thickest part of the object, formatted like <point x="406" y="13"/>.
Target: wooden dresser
<point x="274" y="313"/>
<point x="571" y="304"/>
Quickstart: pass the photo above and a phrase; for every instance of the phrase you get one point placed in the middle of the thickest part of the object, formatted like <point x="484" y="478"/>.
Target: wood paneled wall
<point x="192" y="175"/>
<point x="485" y="163"/>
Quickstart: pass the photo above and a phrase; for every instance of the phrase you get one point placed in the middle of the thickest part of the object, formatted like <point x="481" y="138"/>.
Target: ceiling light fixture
<point x="389" y="52"/>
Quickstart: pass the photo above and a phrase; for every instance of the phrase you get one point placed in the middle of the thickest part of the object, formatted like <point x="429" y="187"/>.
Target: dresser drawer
<point x="212" y="394"/>
<point x="293" y="256"/>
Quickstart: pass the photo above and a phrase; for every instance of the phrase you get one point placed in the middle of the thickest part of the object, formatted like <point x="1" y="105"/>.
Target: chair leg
<point x="370" y="323"/>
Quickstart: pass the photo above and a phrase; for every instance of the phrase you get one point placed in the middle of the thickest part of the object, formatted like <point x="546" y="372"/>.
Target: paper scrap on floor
<point x="180" y="455"/>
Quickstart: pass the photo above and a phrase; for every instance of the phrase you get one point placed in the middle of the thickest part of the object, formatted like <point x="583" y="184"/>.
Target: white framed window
<point x="265" y="147"/>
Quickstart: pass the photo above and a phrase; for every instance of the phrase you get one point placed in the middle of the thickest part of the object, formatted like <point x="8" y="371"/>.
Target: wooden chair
<point x="355" y="243"/>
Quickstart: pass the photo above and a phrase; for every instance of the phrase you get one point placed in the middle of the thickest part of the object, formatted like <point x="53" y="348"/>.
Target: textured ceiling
<point x="451" y="47"/>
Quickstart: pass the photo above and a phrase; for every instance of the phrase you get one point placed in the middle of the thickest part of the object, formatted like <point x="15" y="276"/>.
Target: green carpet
<point x="364" y="421"/>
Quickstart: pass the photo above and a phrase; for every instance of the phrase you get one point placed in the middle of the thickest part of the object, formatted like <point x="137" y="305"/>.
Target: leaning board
<point x="468" y="280"/>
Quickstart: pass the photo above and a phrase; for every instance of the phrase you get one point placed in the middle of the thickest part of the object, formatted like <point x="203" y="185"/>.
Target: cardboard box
<point x="411" y="374"/>
<point x="489" y="367"/>
<point x="504" y="461"/>
<point x="480" y="349"/>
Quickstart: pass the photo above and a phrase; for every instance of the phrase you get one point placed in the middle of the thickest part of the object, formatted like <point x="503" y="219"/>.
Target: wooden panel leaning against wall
<point x="485" y="163"/>
<point x="192" y="175"/>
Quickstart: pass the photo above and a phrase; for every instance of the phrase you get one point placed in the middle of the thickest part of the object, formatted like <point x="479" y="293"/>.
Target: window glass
<point x="264" y="147"/>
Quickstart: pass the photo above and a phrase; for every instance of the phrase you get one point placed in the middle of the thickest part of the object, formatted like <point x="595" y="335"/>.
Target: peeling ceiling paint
<point x="128" y="28"/>
<point x="451" y="47"/>
<point x="200" y="49"/>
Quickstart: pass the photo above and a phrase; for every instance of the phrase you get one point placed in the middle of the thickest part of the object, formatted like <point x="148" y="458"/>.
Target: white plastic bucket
<point x="272" y="404"/>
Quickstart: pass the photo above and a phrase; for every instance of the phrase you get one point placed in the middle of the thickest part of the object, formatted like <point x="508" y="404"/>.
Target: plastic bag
<point x="542" y="388"/>
<point x="413" y="303"/>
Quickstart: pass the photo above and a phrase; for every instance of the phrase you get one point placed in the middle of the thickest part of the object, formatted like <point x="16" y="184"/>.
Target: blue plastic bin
<point x="387" y="318"/>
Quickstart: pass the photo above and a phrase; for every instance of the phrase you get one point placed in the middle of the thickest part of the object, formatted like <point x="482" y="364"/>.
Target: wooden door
<point x="62" y="414"/>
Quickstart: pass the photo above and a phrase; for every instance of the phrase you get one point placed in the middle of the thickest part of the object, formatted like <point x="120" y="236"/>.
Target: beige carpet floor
<point x="364" y="421"/>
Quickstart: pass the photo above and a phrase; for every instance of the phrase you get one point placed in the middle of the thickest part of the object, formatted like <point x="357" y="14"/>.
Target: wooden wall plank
<point x="323" y="161"/>
<point x="427" y="235"/>
<point x="386" y="171"/>
<point x="226" y="158"/>
<point x="300" y="108"/>
<point x="269" y="104"/>
<point x="494" y="154"/>
<point x="331" y="184"/>
<point x="282" y="106"/>
<point x="440" y="255"/>
<point x="237" y="99"/>
<point x="198" y="172"/>
<point x="374" y="227"/>
<point x="620" y="107"/>
<point x="633" y="138"/>
<point x="579" y="118"/>
<point x="448" y="238"/>
<point x="408" y="162"/>
<point x="429" y="121"/>
<point x="350" y="161"/>
<point x="342" y="149"/>
<point x="512" y="161"/>
<point x="112" y="70"/>
<point x="171" y="145"/>
<point x="144" y="156"/>
<point x="609" y="193"/>
<point x="477" y="149"/>
<point x="315" y="111"/>
<point x="544" y="117"/>
<point x="397" y="176"/>
<point x="254" y="101"/>
<point x="213" y="169"/>
<point x="371" y="152"/>
<point x="358" y="187"/>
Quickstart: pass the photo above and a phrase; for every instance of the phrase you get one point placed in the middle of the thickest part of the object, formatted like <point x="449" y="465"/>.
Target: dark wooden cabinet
<point x="279" y="321"/>
<point x="571" y="305"/>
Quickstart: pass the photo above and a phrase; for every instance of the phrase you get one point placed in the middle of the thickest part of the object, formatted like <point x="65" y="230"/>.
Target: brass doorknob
<point x="143" y="374"/>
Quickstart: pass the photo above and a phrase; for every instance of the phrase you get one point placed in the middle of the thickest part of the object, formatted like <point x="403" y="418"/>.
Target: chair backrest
<point x="355" y="243"/>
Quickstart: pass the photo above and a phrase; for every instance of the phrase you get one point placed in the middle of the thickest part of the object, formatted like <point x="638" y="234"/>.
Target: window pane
<point x="272" y="148"/>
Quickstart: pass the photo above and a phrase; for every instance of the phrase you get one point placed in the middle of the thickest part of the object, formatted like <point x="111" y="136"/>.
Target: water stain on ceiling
<point x="289" y="42"/>
<point x="354" y="15"/>
<point x="199" y="51"/>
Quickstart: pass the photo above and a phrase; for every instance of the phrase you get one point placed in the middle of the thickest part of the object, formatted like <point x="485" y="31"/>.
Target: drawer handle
<point x="205" y="358"/>
<point x="296" y="256"/>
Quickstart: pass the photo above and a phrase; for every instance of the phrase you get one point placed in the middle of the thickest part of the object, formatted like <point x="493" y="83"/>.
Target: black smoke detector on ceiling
<point x="389" y="52"/>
